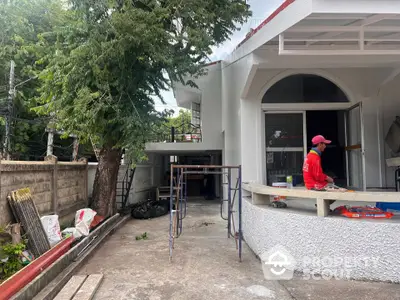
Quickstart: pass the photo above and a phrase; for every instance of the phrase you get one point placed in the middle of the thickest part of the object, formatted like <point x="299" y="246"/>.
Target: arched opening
<point x="288" y="134"/>
<point x="305" y="88"/>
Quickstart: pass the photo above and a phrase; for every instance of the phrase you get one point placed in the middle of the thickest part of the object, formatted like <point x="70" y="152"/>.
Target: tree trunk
<point x="105" y="181"/>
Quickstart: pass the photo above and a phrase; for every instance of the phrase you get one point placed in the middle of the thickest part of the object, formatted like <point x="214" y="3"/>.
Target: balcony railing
<point x="185" y="133"/>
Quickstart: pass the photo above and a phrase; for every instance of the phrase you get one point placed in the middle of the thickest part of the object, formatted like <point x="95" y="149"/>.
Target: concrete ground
<point x="205" y="266"/>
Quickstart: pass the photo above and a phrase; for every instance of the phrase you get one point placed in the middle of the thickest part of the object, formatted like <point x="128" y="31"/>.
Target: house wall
<point x="235" y="139"/>
<point x="389" y="109"/>
<point x="233" y="81"/>
<point x="360" y="84"/>
<point x="211" y="109"/>
<point x="209" y="94"/>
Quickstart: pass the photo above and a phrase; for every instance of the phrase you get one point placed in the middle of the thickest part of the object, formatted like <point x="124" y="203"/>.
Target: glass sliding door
<point x="285" y="141"/>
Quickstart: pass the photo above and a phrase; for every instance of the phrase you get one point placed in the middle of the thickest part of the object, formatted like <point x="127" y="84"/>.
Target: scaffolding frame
<point x="178" y="196"/>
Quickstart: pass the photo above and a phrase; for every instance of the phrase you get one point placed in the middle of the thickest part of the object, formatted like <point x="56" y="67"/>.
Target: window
<point x="304" y="89"/>
<point x="196" y="119"/>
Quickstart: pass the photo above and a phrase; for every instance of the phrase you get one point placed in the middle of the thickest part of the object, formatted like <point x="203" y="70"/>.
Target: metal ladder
<point x="181" y="203"/>
<point x="230" y="204"/>
<point x="124" y="187"/>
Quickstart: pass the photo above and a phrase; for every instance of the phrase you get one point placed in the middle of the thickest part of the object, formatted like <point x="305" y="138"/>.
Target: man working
<point x="314" y="177"/>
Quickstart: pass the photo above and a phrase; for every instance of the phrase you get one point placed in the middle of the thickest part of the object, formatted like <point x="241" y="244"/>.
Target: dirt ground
<point x="205" y="266"/>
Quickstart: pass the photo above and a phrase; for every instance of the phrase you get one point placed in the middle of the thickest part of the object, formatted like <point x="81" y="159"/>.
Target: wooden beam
<point x="353" y="147"/>
<point x="89" y="287"/>
<point x="390" y="197"/>
<point x="70" y="289"/>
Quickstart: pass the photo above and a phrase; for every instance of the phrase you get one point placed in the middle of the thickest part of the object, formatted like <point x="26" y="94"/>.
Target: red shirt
<point x="313" y="175"/>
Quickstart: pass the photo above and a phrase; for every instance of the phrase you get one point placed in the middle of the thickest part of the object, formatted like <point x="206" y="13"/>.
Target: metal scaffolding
<point x="178" y="200"/>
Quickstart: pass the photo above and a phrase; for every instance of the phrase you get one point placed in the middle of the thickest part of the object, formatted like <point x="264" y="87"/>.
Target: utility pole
<point x="75" y="149"/>
<point x="50" y="141"/>
<point x="10" y="105"/>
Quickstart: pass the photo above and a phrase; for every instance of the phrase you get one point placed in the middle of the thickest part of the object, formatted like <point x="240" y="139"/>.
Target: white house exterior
<point x="353" y="44"/>
<point x="311" y="66"/>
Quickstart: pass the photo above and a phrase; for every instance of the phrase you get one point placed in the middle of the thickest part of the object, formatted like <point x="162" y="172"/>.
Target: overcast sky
<point x="261" y="10"/>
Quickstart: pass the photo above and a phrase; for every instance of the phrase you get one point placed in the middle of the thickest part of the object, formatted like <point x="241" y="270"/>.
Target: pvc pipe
<point x="20" y="279"/>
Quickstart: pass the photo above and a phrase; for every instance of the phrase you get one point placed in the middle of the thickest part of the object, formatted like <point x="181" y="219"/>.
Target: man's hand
<point x="329" y="179"/>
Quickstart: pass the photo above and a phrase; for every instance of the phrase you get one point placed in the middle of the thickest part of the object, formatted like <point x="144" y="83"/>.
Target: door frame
<point x="355" y="147"/>
<point x="288" y="149"/>
<point x="285" y="108"/>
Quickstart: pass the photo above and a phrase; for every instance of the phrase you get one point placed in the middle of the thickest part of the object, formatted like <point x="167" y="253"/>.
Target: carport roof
<point x="369" y="33"/>
<point x="328" y="27"/>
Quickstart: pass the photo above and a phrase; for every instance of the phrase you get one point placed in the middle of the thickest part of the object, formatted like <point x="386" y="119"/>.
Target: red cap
<point x="320" y="139"/>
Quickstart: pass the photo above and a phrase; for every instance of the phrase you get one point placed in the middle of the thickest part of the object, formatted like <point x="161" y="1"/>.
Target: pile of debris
<point x="33" y="237"/>
<point x="150" y="209"/>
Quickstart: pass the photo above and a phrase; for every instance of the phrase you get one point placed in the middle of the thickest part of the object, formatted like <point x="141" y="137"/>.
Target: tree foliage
<point x="111" y="57"/>
<point x="182" y="124"/>
<point x="183" y="121"/>
<point x="22" y="23"/>
<point x="102" y="62"/>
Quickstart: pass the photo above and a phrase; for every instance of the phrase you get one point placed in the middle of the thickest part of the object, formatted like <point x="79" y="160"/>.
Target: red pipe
<point x="16" y="282"/>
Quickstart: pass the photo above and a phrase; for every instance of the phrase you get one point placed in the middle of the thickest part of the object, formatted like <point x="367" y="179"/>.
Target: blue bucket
<point x="388" y="206"/>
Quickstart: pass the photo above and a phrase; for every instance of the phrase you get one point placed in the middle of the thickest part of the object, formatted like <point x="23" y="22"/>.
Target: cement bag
<point x="52" y="228"/>
<point x="83" y="219"/>
<point x="71" y="231"/>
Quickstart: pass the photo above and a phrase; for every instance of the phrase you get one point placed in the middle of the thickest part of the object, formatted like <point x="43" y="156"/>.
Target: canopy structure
<point x="327" y="27"/>
<point x="342" y="34"/>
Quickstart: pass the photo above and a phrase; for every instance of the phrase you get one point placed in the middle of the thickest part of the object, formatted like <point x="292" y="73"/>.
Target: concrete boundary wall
<point x="370" y="247"/>
<point x="57" y="187"/>
<point x="145" y="181"/>
<point x="64" y="187"/>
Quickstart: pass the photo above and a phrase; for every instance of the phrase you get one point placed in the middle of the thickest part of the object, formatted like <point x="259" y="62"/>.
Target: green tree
<point x="112" y="56"/>
<point x="23" y="23"/>
<point x="182" y="125"/>
<point x="182" y="121"/>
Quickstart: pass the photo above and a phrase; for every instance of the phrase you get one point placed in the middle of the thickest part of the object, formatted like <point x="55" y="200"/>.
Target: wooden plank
<point x="165" y="195"/>
<point x="353" y="147"/>
<point x="260" y="199"/>
<point x="70" y="289"/>
<point x="89" y="287"/>
<point x="393" y="197"/>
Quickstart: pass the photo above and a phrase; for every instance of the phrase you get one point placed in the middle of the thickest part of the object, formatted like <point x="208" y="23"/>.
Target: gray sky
<point x="261" y="10"/>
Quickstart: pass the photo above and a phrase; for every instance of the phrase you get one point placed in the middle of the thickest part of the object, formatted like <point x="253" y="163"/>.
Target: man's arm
<point x="319" y="174"/>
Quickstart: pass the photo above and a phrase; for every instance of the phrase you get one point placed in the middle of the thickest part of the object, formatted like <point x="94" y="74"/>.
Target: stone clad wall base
<point x="346" y="248"/>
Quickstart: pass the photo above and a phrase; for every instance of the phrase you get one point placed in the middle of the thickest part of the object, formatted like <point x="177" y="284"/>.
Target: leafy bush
<point x="10" y="261"/>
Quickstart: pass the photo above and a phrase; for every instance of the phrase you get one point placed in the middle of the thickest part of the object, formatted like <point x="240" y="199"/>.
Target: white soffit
<point x="356" y="6"/>
<point x="327" y="27"/>
<point x="341" y="34"/>
<point x="343" y="27"/>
